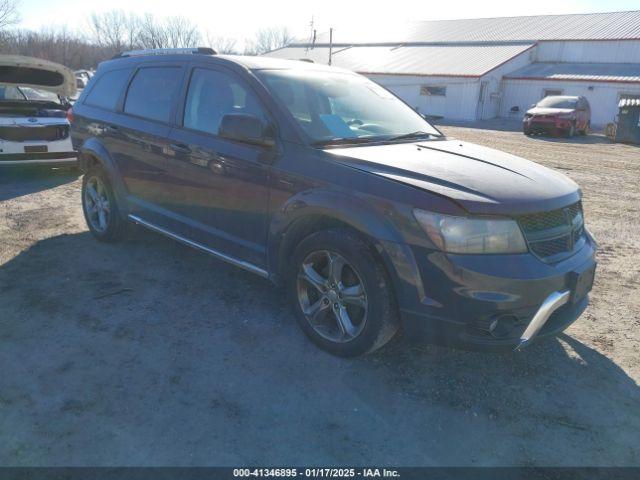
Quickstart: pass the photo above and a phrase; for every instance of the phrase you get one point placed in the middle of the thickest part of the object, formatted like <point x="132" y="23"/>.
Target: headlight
<point x="471" y="235"/>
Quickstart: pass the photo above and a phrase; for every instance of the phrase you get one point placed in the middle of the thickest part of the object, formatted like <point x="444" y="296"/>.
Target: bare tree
<point x="181" y="33"/>
<point x="221" y="44"/>
<point x="268" y="39"/>
<point x="58" y="45"/>
<point x="8" y="13"/>
<point x="115" y="30"/>
<point x="152" y="35"/>
<point x="112" y="32"/>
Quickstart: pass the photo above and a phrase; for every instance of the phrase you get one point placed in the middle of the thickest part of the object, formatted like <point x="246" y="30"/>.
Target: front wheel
<point x="571" y="131"/>
<point x="341" y="294"/>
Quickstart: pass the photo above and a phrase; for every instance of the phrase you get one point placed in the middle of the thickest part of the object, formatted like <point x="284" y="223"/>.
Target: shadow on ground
<point x="149" y="353"/>
<point x="17" y="181"/>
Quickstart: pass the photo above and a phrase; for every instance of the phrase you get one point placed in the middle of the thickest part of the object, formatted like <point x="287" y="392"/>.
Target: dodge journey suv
<point x="323" y="181"/>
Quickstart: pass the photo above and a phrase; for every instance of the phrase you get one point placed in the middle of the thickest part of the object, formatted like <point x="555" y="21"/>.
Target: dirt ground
<point x="149" y="353"/>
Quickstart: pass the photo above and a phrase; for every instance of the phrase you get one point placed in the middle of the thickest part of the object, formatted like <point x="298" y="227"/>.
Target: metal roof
<point x="446" y="60"/>
<point x="587" y="72"/>
<point x="587" y="26"/>
<point x="629" y="102"/>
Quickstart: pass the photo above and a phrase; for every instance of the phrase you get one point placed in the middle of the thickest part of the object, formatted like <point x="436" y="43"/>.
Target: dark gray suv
<point x="320" y="179"/>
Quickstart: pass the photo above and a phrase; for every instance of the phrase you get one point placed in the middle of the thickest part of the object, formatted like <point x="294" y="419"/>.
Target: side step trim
<point x="198" y="246"/>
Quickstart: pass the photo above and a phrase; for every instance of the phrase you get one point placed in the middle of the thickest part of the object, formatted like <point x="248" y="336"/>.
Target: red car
<point x="558" y="114"/>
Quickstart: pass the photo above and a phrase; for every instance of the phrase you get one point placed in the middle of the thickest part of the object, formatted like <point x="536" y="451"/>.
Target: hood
<point x="549" y="111"/>
<point x="37" y="73"/>
<point x="480" y="179"/>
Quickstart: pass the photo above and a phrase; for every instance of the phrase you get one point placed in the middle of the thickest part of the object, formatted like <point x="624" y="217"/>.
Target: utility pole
<point x="312" y="34"/>
<point x="330" y="44"/>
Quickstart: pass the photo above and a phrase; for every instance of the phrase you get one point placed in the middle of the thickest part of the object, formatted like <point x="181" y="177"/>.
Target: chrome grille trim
<point x="555" y="234"/>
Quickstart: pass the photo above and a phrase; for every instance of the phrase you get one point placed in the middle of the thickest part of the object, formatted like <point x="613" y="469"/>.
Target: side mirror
<point x="533" y="105"/>
<point x="246" y="128"/>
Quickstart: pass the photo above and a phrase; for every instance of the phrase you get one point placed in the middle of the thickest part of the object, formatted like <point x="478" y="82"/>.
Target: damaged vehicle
<point x="560" y="114"/>
<point x="34" y="128"/>
<point x="322" y="180"/>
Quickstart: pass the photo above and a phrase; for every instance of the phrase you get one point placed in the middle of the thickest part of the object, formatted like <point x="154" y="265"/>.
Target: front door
<point x="219" y="188"/>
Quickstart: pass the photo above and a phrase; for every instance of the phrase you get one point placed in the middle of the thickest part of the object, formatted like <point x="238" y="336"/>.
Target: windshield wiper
<point x="417" y="134"/>
<point x="345" y="141"/>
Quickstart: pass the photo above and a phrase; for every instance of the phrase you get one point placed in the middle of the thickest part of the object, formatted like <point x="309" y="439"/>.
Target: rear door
<point x="139" y="136"/>
<point x="219" y="188"/>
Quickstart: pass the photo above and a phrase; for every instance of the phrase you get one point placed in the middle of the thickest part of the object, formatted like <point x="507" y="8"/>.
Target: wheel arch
<point x="93" y="152"/>
<point x="311" y="212"/>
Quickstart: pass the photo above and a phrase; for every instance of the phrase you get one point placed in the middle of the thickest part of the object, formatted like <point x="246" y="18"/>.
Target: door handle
<point x="180" y="148"/>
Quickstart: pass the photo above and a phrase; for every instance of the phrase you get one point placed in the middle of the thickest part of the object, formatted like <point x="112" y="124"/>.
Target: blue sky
<point x="240" y="18"/>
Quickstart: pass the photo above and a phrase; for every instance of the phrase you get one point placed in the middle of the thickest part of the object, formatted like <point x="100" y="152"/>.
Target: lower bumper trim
<point x="44" y="157"/>
<point x="550" y="305"/>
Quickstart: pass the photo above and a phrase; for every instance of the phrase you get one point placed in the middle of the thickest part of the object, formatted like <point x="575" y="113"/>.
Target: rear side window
<point x="107" y="90"/>
<point x="152" y="92"/>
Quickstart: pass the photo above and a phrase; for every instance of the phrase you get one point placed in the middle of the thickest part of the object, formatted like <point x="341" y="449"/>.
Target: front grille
<point x="555" y="234"/>
<point x="47" y="133"/>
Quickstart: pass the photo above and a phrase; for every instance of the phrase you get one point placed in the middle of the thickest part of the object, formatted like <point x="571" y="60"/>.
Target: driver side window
<point x="212" y="95"/>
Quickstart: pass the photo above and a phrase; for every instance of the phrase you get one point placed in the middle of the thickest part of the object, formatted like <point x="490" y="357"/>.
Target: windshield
<point x="558" y="102"/>
<point x="27" y="93"/>
<point x="42" y="95"/>
<point x="343" y="107"/>
<point x="11" y="93"/>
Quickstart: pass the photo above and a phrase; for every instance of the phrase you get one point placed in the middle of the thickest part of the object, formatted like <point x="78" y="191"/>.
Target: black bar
<point x="411" y="473"/>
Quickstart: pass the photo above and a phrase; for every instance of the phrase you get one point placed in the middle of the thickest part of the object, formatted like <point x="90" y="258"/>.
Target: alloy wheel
<point x="97" y="204"/>
<point x="332" y="296"/>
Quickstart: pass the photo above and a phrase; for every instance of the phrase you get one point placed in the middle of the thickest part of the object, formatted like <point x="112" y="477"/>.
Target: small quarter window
<point x="106" y="92"/>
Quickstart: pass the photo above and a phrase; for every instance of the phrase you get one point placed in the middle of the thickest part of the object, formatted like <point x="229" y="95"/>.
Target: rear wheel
<point x="586" y="129"/>
<point x="100" y="207"/>
<point x="341" y="294"/>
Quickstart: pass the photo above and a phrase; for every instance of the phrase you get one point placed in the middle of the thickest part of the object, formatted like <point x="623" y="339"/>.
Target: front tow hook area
<point x="550" y="305"/>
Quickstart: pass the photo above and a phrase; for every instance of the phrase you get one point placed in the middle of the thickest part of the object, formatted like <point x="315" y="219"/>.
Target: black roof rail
<point x="166" y="51"/>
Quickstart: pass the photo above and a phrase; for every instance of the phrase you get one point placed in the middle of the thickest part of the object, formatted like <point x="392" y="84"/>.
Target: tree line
<point x="112" y="32"/>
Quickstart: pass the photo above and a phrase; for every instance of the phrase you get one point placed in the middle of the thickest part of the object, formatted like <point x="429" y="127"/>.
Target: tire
<point x="526" y="131"/>
<point x="572" y="131"/>
<point x="372" y="325"/>
<point x="112" y="227"/>
<point x="586" y="129"/>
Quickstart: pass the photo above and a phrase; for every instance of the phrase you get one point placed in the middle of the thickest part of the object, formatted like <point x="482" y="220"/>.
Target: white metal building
<point x="495" y="67"/>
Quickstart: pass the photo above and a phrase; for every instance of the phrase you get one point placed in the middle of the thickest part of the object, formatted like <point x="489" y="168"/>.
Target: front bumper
<point x="454" y="300"/>
<point x="539" y="125"/>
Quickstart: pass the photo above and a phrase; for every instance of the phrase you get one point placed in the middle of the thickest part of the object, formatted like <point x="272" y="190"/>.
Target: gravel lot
<point x="149" y="353"/>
